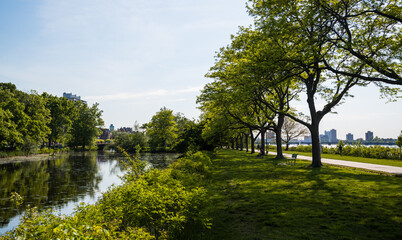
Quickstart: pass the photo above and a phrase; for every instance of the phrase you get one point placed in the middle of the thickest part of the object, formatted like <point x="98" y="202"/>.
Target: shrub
<point x="192" y="169"/>
<point x="148" y="205"/>
<point x="358" y="150"/>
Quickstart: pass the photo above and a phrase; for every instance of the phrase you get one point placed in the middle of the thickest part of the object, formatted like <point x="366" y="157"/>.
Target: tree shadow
<point x="259" y="199"/>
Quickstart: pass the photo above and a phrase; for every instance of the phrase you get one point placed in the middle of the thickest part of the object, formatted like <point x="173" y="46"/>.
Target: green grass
<point x="253" y="198"/>
<point x="388" y="162"/>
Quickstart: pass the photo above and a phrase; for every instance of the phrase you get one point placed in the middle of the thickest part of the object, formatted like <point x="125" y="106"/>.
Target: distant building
<point x="111" y="128"/>
<point x="105" y="134"/>
<point x="73" y="97"/>
<point x="369" y="136"/>
<point x="125" y="129"/>
<point x="324" y="138"/>
<point x="331" y="135"/>
<point x="307" y="139"/>
<point x="349" y="137"/>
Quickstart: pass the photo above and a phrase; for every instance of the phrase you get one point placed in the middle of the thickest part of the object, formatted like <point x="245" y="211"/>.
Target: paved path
<point x="369" y="166"/>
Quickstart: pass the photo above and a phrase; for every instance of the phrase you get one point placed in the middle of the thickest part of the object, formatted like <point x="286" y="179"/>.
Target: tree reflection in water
<point x="52" y="182"/>
<point x="62" y="181"/>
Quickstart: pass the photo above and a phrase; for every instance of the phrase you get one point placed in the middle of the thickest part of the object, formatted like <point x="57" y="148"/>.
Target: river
<point x="61" y="182"/>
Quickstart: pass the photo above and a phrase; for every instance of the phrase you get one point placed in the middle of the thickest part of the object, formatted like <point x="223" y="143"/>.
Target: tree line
<point x="29" y="120"/>
<point x="314" y="49"/>
<point x="166" y="131"/>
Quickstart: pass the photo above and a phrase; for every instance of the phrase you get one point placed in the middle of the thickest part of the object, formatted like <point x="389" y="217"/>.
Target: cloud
<point x="149" y="94"/>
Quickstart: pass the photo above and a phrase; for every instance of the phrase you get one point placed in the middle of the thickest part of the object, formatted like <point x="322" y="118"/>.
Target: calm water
<point x="61" y="182"/>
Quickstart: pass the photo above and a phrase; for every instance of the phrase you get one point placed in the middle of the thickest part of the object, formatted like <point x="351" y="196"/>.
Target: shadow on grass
<point x="254" y="198"/>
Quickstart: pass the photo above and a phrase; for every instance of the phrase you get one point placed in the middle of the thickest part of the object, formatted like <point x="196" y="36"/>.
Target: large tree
<point x="302" y="31"/>
<point x="86" y="125"/>
<point x="162" y="130"/>
<point x="368" y="34"/>
<point x="24" y="118"/>
<point x="250" y="70"/>
<point x="62" y="113"/>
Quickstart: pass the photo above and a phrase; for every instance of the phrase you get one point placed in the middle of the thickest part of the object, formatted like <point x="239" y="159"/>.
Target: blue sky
<point x="135" y="56"/>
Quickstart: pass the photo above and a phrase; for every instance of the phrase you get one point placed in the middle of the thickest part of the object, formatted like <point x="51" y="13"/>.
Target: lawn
<point x="253" y="198"/>
<point x="388" y="162"/>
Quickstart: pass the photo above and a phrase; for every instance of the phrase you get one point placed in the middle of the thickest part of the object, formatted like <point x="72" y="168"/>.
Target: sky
<point x="134" y="57"/>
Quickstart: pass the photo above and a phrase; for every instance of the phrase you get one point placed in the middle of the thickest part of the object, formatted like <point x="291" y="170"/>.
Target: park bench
<point x="292" y="161"/>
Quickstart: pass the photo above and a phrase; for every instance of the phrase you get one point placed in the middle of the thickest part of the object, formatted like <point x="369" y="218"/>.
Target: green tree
<point x="191" y="138"/>
<point x="85" y="126"/>
<point x="298" y="33"/>
<point x="162" y="130"/>
<point x="181" y="122"/>
<point x="248" y="68"/>
<point x="24" y="117"/>
<point x="399" y="144"/>
<point x="37" y="129"/>
<point x="368" y="34"/>
<point x="331" y="46"/>
<point x="62" y="112"/>
<point x="9" y="134"/>
<point x="129" y="141"/>
<point x="235" y="109"/>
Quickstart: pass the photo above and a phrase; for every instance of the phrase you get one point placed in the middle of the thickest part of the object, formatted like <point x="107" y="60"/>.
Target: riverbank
<point x="31" y="157"/>
<point x="253" y="198"/>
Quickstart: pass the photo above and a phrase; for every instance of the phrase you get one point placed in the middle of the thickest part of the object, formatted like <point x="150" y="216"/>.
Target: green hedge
<point x="375" y="151"/>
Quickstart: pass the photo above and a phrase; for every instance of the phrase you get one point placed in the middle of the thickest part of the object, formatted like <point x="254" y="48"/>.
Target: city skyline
<point x="135" y="57"/>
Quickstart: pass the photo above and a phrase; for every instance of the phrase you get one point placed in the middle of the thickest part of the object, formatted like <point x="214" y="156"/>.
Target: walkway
<point x="369" y="166"/>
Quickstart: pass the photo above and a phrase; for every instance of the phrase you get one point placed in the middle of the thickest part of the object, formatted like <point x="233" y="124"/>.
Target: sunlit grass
<point x="256" y="198"/>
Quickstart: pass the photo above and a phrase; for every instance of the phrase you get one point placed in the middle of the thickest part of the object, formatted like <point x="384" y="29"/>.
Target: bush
<point x="379" y="152"/>
<point x="156" y="204"/>
<point x="192" y="169"/>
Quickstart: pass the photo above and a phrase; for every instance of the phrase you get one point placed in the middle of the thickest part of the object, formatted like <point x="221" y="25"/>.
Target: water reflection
<point x="160" y="160"/>
<point x="62" y="181"/>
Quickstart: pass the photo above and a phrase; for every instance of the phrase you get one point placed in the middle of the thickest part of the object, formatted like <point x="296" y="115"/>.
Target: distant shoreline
<point x="32" y="157"/>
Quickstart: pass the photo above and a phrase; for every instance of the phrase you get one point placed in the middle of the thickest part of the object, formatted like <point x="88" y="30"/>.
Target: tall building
<point x="349" y="137"/>
<point x="111" y="128"/>
<point x="369" y="136"/>
<point x="324" y="138"/>
<point x="331" y="136"/>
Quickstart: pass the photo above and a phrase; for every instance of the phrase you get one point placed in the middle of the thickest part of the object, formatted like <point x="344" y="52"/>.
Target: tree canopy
<point x="320" y="49"/>
<point x="28" y="120"/>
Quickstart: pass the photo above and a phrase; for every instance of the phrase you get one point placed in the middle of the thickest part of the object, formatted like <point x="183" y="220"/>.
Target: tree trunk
<point x="237" y="142"/>
<point x="241" y="141"/>
<point x="278" y="133"/>
<point x="262" y="145"/>
<point x="316" y="146"/>
<point x="232" y="143"/>
<point x="287" y="146"/>
<point x="252" y="141"/>
<point x="246" y="141"/>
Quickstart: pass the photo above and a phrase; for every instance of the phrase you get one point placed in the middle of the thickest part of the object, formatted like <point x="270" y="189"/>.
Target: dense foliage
<point x="29" y="120"/>
<point x="165" y="132"/>
<point x="376" y="151"/>
<point x="319" y="49"/>
<point x="155" y="204"/>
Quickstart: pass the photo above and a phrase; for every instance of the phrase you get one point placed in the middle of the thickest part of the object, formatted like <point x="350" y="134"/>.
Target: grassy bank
<point x="254" y="198"/>
<point x="388" y="162"/>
